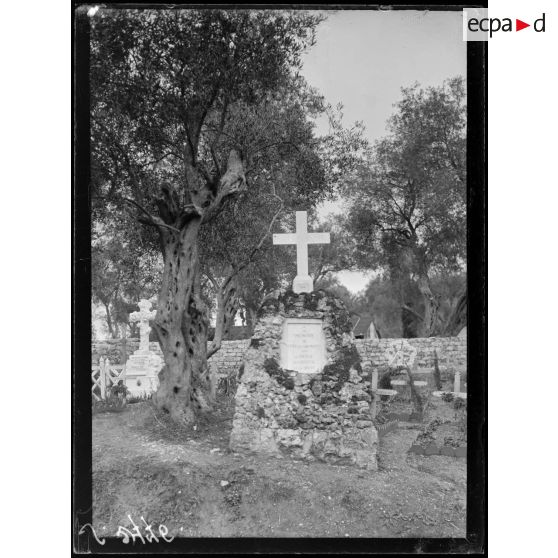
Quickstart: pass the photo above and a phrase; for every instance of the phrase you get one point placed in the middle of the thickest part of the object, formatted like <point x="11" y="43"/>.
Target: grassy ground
<point x="189" y="481"/>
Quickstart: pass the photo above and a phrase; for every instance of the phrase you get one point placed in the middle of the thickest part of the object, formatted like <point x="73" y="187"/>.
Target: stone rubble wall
<point x="229" y="358"/>
<point x="452" y="352"/>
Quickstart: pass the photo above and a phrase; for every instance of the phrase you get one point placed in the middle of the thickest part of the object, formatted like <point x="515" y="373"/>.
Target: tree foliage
<point x="125" y="269"/>
<point x="202" y="125"/>
<point x="408" y="210"/>
<point x="385" y="295"/>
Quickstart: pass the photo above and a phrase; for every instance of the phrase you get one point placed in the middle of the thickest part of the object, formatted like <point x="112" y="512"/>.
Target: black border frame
<point x="83" y="540"/>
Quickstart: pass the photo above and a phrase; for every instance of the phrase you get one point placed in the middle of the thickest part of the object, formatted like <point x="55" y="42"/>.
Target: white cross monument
<point x="143" y="317"/>
<point x="143" y="366"/>
<point x="302" y="282"/>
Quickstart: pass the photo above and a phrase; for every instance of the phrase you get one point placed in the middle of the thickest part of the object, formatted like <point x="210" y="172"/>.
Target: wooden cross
<point x="377" y="392"/>
<point x="302" y="238"/>
<point x="456" y="388"/>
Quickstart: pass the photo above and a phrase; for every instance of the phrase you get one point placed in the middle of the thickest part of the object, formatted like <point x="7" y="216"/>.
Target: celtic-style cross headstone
<point x="302" y="238"/>
<point x="143" y="317"/>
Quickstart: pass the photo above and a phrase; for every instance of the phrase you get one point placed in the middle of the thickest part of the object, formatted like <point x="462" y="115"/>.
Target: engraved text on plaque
<point x="303" y="345"/>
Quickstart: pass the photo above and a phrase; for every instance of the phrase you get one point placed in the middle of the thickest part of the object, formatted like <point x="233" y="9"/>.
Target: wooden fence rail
<point x="104" y="376"/>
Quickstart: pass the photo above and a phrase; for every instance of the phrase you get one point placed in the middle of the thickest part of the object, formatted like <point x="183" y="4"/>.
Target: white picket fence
<point x="104" y="376"/>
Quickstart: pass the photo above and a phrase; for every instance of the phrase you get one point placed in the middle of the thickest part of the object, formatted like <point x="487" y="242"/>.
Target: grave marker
<point x="377" y="392"/>
<point x="143" y="316"/>
<point x="143" y="366"/>
<point x="302" y="238"/>
<point x="456" y="388"/>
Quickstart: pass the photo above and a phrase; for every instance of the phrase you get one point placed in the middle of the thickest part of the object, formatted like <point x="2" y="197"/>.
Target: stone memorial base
<point x="142" y="369"/>
<point x="302" y="392"/>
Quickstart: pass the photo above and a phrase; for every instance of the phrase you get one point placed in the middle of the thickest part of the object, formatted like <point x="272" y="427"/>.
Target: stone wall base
<point x="348" y="446"/>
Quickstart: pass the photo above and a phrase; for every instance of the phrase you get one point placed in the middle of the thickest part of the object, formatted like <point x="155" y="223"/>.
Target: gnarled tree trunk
<point x="180" y="321"/>
<point x="458" y="318"/>
<point x="251" y="316"/>
<point x="195" y="328"/>
<point x="431" y="305"/>
<point x="180" y="253"/>
<point x="227" y="305"/>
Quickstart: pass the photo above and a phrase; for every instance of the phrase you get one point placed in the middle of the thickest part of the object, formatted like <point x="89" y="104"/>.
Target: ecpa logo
<point x="478" y="26"/>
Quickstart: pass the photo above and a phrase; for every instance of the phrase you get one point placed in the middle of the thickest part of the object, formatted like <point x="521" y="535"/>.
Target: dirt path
<point x="198" y="488"/>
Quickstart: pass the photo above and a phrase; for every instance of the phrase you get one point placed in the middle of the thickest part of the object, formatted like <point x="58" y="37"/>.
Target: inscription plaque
<point x="303" y="345"/>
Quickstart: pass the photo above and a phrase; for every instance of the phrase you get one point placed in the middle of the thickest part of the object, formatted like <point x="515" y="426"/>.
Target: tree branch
<point x="411" y="311"/>
<point x="232" y="182"/>
<point x="218" y="134"/>
<point x="150" y="219"/>
<point x="265" y="235"/>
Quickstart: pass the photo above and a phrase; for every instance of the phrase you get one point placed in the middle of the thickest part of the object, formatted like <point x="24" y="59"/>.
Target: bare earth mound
<point x="197" y="488"/>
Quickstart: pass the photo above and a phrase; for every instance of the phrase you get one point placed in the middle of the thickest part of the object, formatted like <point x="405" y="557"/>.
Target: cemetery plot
<point x="446" y="434"/>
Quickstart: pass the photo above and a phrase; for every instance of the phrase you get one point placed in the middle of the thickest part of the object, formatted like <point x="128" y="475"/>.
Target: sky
<point x="362" y="58"/>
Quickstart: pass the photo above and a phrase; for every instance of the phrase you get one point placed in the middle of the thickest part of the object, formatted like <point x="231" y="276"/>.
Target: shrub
<point x="119" y="390"/>
<point x="139" y="398"/>
<point x="459" y="403"/>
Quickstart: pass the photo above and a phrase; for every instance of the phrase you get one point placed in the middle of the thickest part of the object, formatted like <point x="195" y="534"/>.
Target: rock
<point x="289" y="437"/>
<point x="224" y="483"/>
<point x="369" y="436"/>
<point x="317" y="389"/>
<point x="366" y="460"/>
<point x="354" y="376"/>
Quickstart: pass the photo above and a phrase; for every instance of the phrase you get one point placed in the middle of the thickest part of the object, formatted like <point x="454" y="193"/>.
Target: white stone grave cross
<point x="143" y="317"/>
<point x="302" y="282"/>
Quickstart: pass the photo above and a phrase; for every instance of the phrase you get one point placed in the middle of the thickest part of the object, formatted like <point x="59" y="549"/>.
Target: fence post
<point x="374" y="392"/>
<point x="102" y="376"/>
<point x="457" y="381"/>
<point x="123" y="348"/>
